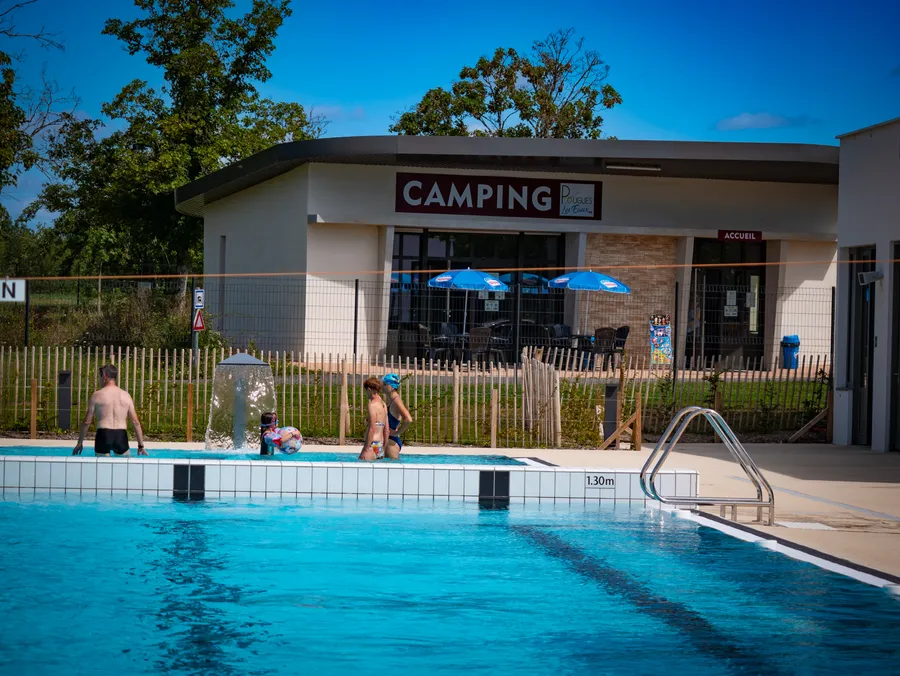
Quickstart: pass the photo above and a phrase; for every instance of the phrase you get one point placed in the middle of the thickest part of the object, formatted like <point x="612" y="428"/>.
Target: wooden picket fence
<point x="542" y="414"/>
<point x="551" y="399"/>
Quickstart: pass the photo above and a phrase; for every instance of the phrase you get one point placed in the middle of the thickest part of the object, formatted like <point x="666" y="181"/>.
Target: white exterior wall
<point x="339" y="254"/>
<point x="265" y="231"/>
<point x="868" y="214"/>
<point x="630" y="205"/>
<point x="804" y="304"/>
<point x="332" y="220"/>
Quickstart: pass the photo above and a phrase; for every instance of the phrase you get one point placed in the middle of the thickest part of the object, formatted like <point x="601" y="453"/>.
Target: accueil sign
<point x="510" y="197"/>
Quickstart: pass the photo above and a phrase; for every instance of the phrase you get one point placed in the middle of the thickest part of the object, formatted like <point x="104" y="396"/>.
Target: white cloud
<point x="762" y="121"/>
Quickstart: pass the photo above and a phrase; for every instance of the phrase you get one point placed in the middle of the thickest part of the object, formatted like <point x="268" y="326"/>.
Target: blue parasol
<point x="467" y="280"/>
<point x="531" y="283"/>
<point x="588" y="280"/>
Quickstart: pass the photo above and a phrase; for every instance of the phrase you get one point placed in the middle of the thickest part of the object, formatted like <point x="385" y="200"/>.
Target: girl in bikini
<point x="376" y="421"/>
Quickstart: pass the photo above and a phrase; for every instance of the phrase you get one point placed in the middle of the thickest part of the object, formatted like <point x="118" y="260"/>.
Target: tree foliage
<point x="113" y="193"/>
<point x="556" y="91"/>
<point x="26" y="112"/>
<point x="29" y="251"/>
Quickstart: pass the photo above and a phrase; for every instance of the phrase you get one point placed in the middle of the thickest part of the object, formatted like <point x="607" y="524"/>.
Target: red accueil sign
<point x="740" y="235"/>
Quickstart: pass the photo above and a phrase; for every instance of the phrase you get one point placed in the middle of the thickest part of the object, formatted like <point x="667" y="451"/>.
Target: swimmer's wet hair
<point x="372" y="384"/>
<point x="110" y="371"/>
<point x="265" y="420"/>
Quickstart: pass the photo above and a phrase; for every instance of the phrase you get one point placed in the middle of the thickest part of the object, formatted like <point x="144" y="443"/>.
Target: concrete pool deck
<point x="842" y="501"/>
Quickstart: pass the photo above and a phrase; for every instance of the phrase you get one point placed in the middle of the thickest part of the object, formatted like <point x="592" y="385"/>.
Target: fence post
<point x="191" y="313"/>
<point x="27" y="311"/>
<point x="674" y="328"/>
<point x="829" y="421"/>
<point x="495" y="416"/>
<point x="34" y="403"/>
<point x="455" y="403"/>
<point x="831" y="333"/>
<point x="355" y="316"/>
<point x="637" y="430"/>
<point x="557" y="412"/>
<point x="190" y="410"/>
<point x="344" y="422"/>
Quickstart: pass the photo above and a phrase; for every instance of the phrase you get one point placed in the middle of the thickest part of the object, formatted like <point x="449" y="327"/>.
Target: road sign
<point x="198" y="321"/>
<point x="199" y="298"/>
<point x="12" y="290"/>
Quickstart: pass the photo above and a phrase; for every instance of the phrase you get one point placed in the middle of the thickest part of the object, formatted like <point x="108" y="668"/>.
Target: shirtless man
<point x="114" y="407"/>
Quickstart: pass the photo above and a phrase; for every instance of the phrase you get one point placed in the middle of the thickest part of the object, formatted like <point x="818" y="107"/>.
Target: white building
<point x="867" y="332"/>
<point x="383" y="209"/>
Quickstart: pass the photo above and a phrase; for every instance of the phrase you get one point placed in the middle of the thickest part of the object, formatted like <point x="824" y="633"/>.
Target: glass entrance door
<point x="726" y="313"/>
<point x="862" y="344"/>
<point x="895" y="357"/>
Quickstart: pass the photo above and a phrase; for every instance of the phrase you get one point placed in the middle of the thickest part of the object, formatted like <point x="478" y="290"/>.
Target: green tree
<point x="29" y="251"/>
<point x="26" y="112"/>
<point x="556" y="91"/>
<point x="115" y="178"/>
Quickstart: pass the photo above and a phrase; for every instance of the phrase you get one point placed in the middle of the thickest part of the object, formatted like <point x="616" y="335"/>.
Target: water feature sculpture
<point x="243" y="389"/>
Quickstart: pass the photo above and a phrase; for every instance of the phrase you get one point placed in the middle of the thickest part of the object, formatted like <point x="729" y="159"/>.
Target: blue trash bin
<point x="790" y="348"/>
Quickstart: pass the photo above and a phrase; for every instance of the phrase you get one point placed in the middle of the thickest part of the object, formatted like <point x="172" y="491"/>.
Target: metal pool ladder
<point x="765" y="496"/>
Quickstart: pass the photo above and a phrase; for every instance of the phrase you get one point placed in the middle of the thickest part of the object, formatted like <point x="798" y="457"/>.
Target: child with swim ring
<point x="272" y="437"/>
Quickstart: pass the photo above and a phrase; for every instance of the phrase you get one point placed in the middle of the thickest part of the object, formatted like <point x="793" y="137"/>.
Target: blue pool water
<point x="154" y="586"/>
<point x="302" y="456"/>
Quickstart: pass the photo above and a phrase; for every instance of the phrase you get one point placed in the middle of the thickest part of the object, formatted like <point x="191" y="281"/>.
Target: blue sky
<point x="795" y="71"/>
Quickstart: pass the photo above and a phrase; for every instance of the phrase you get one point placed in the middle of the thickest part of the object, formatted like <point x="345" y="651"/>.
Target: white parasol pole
<point x="465" y="312"/>
<point x="587" y="311"/>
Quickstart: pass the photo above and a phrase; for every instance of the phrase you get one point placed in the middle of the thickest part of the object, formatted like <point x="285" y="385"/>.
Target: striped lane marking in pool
<point x="493" y="488"/>
<point x="703" y="633"/>
<point x="189" y="481"/>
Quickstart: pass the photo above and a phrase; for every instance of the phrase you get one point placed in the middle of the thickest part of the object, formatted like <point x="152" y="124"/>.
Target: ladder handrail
<point x="765" y="496"/>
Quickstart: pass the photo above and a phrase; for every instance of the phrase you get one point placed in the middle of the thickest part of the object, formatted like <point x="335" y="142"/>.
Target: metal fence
<point x="395" y="318"/>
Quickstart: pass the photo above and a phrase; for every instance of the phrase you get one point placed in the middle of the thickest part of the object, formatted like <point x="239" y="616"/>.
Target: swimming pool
<point x="302" y="456"/>
<point x="151" y="586"/>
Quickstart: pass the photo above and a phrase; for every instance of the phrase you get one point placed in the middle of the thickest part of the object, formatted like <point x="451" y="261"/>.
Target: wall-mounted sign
<point x="492" y="306"/>
<point x="500" y="295"/>
<point x="482" y="294"/>
<point x="511" y="197"/>
<point x="731" y="311"/>
<point x="660" y="339"/>
<point x="731" y="297"/>
<point x="740" y="235"/>
<point x="12" y="290"/>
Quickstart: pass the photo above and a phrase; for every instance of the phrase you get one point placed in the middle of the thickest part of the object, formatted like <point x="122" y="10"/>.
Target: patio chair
<point x="621" y="338"/>
<point x="429" y="351"/>
<point x="449" y="341"/>
<point x="480" y="345"/>
<point x="605" y="344"/>
<point x="560" y="335"/>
